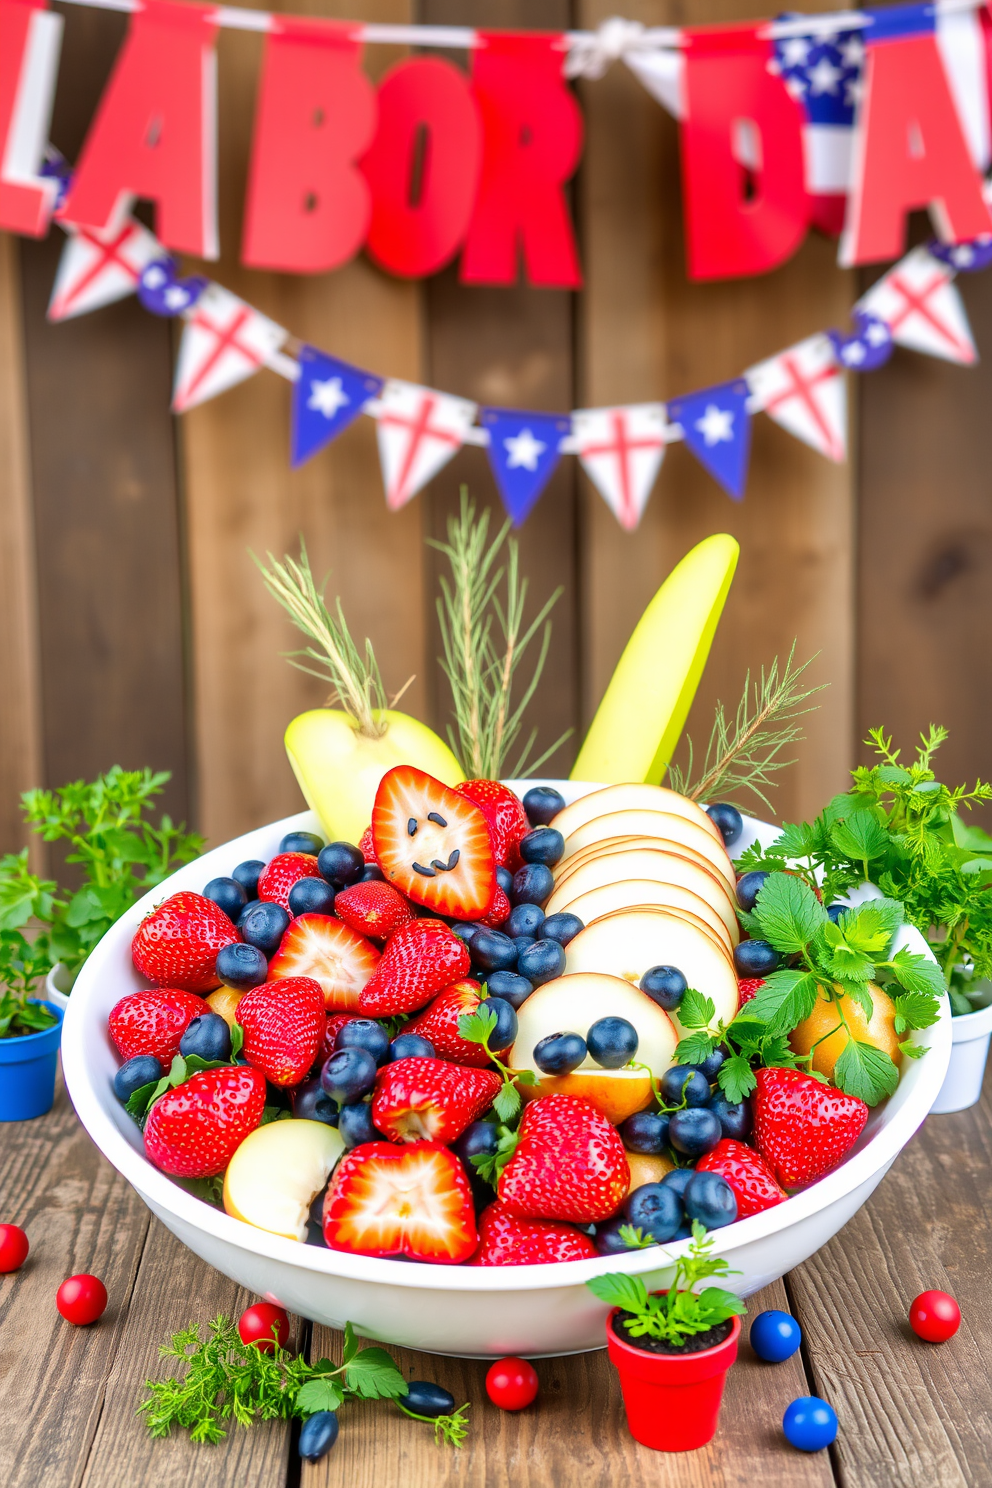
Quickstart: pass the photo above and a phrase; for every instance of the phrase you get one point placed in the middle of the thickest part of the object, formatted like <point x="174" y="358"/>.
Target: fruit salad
<point x="494" y="1031"/>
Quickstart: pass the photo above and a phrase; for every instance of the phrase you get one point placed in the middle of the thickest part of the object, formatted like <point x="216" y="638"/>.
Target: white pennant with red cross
<point x="225" y="341"/>
<point x="99" y="266"/>
<point x="621" y="450"/>
<point x="923" y="310"/>
<point x="419" y="430"/>
<point x="802" y="388"/>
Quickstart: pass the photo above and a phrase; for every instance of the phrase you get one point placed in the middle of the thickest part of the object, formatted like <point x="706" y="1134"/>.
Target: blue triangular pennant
<point x="717" y="428"/>
<point x="524" y="449"/>
<point x="327" y="397"/>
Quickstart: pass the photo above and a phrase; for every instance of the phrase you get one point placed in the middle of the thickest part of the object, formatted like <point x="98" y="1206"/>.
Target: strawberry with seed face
<point x="153" y="1022"/>
<point x="329" y="951"/>
<point x="433" y="844"/>
<point x="505" y="817"/>
<point x="194" y="1130"/>
<point x="177" y="944"/>
<point x="421" y="958"/>
<point x="414" y="1201"/>
<point x="439" y="1023"/>
<point x="506" y="1241"/>
<point x="569" y="1164"/>
<point x="284" y="1024"/>
<point x="430" y="1100"/>
<point x="802" y="1128"/>
<point x="374" y="909"/>
<point x="279" y="876"/>
<point x="755" y="1185"/>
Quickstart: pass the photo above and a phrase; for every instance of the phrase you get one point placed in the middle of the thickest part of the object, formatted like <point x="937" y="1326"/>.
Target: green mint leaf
<point x="717" y="1300"/>
<point x="237" y="1041"/>
<point x="861" y="836"/>
<point x="695" y="1011"/>
<point x="635" y="1238"/>
<point x="788" y="912"/>
<point x="627" y="1292"/>
<point x="750" y="922"/>
<point x="373" y="1374"/>
<point x="916" y="1010"/>
<point x="318" y="1395"/>
<point x="736" y="1078"/>
<point x="787" y="997"/>
<point x="477" y="1027"/>
<point x="865" y="1072"/>
<point x="917" y="973"/>
<point x="694" y="1048"/>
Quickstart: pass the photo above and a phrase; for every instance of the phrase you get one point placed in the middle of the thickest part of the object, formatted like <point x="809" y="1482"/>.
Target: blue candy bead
<point x="810" y="1424"/>
<point x="318" y="1435"/>
<point x="775" y="1335"/>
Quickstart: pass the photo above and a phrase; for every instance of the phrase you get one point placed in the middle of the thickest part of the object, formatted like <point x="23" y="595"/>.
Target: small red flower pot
<point x="672" y="1400"/>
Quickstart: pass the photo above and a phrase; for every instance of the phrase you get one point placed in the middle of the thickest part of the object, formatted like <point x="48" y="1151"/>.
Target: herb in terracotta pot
<point x="672" y="1349"/>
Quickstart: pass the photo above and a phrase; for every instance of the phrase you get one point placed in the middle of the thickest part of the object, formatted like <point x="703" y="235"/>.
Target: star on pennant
<point x="523" y="451"/>
<point x="716" y="425"/>
<point x="328" y="397"/>
<point x="824" y="77"/>
<point x="795" y="51"/>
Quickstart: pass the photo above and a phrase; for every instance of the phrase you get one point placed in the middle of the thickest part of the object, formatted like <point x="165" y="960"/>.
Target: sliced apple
<point x="647" y="857"/>
<point x="631" y="797"/>
<point x="625" y="944"/>
<point x="637" y="892"/>
<point x="627" y="844"/>
<point x="654" y="824"/>
<point x="278" y="1171"/>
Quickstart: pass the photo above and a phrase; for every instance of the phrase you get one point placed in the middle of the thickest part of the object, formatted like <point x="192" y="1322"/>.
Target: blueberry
<point x="228" y="895"/>
<point x="612" y="1042"/>
<point x="694" y="1131"/>
<point x="678" y="1179"/>
<point x="371" y="872"/>
<point x="355" y="1123"/>
<point x="367" y="1034"/>
<point x="509" y="987"/>
<point x="713" y="1063"/>
<point x="749" y="886"/>
<point x="505" y="1031"/>
<point x="608" y="1240"/>
<point x="247" y="875"/>
<point x="734" y="1116"/>
<point x="311" y="896"/>
<point x="542" y="804"/>
<point x="543" y="845"/>
<point x="645" y="1131"/>
<point x="493" y="951"/>
<point x="481" y="1139"/>
<point x="542" y="962"/>
<point x="141" y="1070"/>
<point x="311" y="1103"/>
<point x="241" y="966"/>
<point x="348" y="1074"/>
<point x="727" y="820"/>
<point x="466" y="930"/>
<point x="505" y="880"/>
<point x="532" y="884"/>
<point x="755" y="958"/>
<point x="654" y="1210"/>
<point x="426" y="1399"/>
<point x="710" y="1199"/>
<point x="684" y="1082"/>
<point x="560" y="1053"/>
<point x="524" y="942"/>
<point x="684" y="1232"/>
<point x="340" y="863"/>
<point x="561" y="927"/>
<point x="665" y="985"/>
<point x="525" y="919"/>
<point x="834" y="911"/>
<point x="208" y="1036"/>
<point x="302" y="842"/>
<point x="411" y="1046"/>
<point x="264" y="926"/>
<point x="318" y="1434"/>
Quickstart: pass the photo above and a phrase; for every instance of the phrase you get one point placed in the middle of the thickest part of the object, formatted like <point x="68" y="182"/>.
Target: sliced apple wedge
<point x="626" y="843"/>
<point x="644" y="865"/>
<point x="637" y="893"/>
<point x="631" y="797"/>
<point x="653" y="851"/>
<point x="625" y="944"/>
<point x="278" y="1171"/>
<point x="653" y="824"/>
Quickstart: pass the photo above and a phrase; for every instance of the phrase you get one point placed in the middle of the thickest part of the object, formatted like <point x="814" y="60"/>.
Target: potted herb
<point x="29" y="1034"/>
<point x="673" y="1348"/>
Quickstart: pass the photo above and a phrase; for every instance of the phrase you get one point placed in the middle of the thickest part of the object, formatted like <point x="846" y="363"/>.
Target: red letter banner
<point x="743" y="174"/>
<point x="30" y="37"/>
<point x="531" y="143"/>
<point x="308" y="204"/>
<point x="155" y="131"/>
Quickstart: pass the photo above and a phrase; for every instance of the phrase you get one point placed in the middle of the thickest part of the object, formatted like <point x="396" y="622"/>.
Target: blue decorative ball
<point x="810" y="1424"/>
<point x="775" y="1335"/>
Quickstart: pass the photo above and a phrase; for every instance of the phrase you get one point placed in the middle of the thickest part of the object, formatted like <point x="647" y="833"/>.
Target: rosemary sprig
<point x="483" y="636"/>
<point x="746" y="754"/>
<point x="355" y="679"/>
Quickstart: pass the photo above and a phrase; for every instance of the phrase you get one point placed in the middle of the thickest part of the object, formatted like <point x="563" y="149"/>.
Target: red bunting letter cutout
<point x="30" y="37"/>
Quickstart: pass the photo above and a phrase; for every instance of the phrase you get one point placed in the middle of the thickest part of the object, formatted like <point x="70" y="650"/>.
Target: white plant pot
<point x="58" y="986"/>
<point x="962" y="1085"/>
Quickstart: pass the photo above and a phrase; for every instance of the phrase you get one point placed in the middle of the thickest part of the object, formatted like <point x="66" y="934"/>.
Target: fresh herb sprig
<point x="681" y="1312"/>
<point x="477" y="1028"/>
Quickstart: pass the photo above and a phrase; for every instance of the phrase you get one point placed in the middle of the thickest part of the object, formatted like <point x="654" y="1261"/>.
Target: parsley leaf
<point x="865" y="1072"/>
<point x="695" y="1011"/>
<point x="788" y="912"/>
<point x="915" y="1010"/>
<point x="787" y="997"/>
<point x="477" y="1027"/>
<point x="861" y="836"/>
<point x="373" y="1375"/>
<point x="917" y="973"/>
<point x="319" y="1395"/>
<point x="736" y="1078"/>
<point x="635" y="1239"/>
<point x="694" y="1048"/>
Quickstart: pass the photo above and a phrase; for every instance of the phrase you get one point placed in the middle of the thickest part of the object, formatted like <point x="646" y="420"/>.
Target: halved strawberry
<point x="375" y="909"/>
<point x="279" y="876"/>
<point x="433" y="844"/>
<point x="505" y="817"/>
<point x="754" y="1184"/>
<point x="506" y="1241"/>
<point x="430" y="1100"/>
<point x="177" y="944"/>
<point x="153" y="1022"/>
<point x="569" y="1163"/>
<point x="421" y="957"/>
<point x="499" y="910"/>
<point x="194" y="1130"/>
<point x="439" y="1023"/>
<point x="414" y="1201"/>
<point x="284" y="1024"/>
<point x="324" y="948"/>
<point x="366" y="846"/>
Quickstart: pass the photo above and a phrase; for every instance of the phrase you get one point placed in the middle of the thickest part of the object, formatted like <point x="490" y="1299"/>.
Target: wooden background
<point x="134" y="627"/>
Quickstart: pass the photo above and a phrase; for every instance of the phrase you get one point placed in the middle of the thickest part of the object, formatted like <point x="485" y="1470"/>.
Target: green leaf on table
<point x="350" y="1345"/>
<point x="318" y="1395"/>
<point x="861" y="836"/>
<point x="695" y="1010"/>
<point x="787" y="997"/>
<point x="865" y="1072"/>
<point x="372" y="1374"/>
<point x="788" y="913"/>
<point x="736" y="1078"/>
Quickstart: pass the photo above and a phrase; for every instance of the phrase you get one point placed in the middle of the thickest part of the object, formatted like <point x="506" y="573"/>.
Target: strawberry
<point x="499" y="912"/>
<point x="569" y="1163"/>
<point x="335" y="1023"/>
<point x="752" y="1180"/>
<point x="285" y="869"/>
<point x="375" y="909"/>
<point x="153" y="1022"/>
<point x="747" y="988"/>
<point x="439" y="1023"/>
<point x="324" y="948"/>
<point x="802" y="1128"/>
<point x="365" y="846"/>
<point x="177" y="944"/>
<point x="421" y="958"/>
<point x="506" y="1241"/>
<point x="413" y="1201"/>
<point x="430" y="1100"/>
<point x="433" y="844"/>
<point x="194" y="1130"/>
<point x="505" y="818"/>
<point x="284" y="1024"/>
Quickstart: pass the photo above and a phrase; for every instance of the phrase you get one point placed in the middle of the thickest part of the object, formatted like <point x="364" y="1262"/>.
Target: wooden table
<point x="911" y="1415"/>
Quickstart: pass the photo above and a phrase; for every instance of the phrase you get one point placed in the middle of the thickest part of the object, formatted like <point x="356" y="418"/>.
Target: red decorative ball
<point x="256" y="1323"/>
<point x="935" y="1316"/>
<point x="81" y="1299"/>
<point x="13" y="1248"/>
<point x="511" y="1384"/>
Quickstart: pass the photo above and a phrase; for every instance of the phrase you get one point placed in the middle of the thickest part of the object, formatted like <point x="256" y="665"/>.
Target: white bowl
<point x="476" y="1311"/>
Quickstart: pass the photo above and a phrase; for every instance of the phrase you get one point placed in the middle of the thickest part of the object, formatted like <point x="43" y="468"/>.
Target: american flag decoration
<point x="823" y="74"/>
<point x="99" y="266"/>
<point x="524" y="450"/>
<point x="419" y="431"/>
<point x="802" y="388"/>
<point x="869" y="347"/>
<point x="224" y="342"/>
<point x="923" y="310"/>
<point x="621" y="450"/>
<point x="716" y="426"/>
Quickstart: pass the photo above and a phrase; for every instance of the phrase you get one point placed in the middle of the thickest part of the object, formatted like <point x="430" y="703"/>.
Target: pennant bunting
<point x="869" y="347"/>
<point x="419" y="431"/>
<point x="963" y="258"/>
<point x="716" y="426"/>
<point x="802" y="389"/>
<point x="524" y="449"/>
<point x="225" y="341"/>
<point x="823" y="74"/>
<point x="923" y="310"/>
<point x="162" y="292"/>
<point x="99" y="266"/>
<point x="621" y="450"/>
<point x="327" y="397"/>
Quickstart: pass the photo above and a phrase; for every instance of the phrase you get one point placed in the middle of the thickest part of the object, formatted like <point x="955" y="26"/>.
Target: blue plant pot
<point x="27" y="1071"/>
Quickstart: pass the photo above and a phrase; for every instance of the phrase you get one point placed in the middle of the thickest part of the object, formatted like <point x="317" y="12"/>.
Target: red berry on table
<point x="177" y="944"/>
<point x="278" y="877"/>
<point x="511" y="1384"/>
<point x="264" y="1325"/>
<point x="505" y="818"/>
<point x="322" y="947"/>
<point x="153" y="1022"/>
<point x="420" y="960"/>
<point x="934" y="1316"/>
<point x="752" y="1180"/>
<point x="433" y="844"/>
<point x="13" y="1248"/>
<point x="374" y="909"/>
<point x="284" y="1024"/>
<point x="802" y="1128"/>
<point x="747" y="989"/>
<point x="569" y="1163"/>
<point x="81" y="1299"/>
<point x="430" y="1100"/>
<point x="194" y="1130"/>
<point x="439" y="1023"/>
<point x="506" y="1241"/>
<point x="414" y="1200"/>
